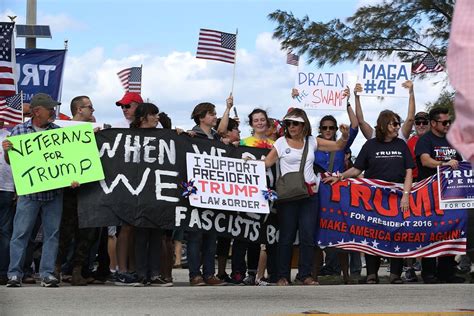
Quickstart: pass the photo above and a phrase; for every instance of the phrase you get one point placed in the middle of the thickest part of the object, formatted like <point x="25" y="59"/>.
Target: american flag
<point x="428" y="64"/>
<point x="11" y="110"/>
<point x="292" y="59"/>
<point x="131" y="79"/>
<point x="216" y="45"/>
<point x="7" y="60"/>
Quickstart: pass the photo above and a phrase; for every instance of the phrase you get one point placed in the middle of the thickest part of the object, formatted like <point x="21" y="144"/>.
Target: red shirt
<point x="411" y="142"/>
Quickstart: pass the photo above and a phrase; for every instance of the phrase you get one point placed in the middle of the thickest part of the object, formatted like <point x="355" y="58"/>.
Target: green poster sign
<point x="53" y="159"/>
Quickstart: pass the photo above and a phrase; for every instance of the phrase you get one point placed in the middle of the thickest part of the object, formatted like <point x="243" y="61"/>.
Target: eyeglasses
<point x="125" y="106"/>
<point x="421" y="122"/>
<point x="395" y="124"/>
<point x="446" y="122"/>
<point x="288" y="123"/>
<point x="328" y="128"/>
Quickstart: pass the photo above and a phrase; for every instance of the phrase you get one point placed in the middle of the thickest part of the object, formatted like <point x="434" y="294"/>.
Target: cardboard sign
<point x="321" y="90"/>
<point x="384" y="79"/>
<point x="227" y="183"/>
<point x="456" y="187"/>
<point x="53" y="159"/>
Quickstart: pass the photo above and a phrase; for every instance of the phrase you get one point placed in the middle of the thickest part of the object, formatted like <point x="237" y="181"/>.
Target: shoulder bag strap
<point x="303" y="157"/>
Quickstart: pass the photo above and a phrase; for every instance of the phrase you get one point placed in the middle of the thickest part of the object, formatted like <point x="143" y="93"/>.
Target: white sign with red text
<point x="227" y="183"/>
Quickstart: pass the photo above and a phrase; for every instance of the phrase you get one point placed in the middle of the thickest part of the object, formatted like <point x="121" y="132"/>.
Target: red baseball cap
<point x="128" y="98"/>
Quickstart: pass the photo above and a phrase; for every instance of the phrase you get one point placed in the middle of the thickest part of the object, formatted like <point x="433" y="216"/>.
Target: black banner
<point x="144" y="169"/>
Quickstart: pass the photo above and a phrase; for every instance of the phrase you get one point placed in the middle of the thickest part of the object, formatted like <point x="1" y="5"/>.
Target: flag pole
<point x="21" y="100"/>
<point x="235" y="58"/>
<point x="141" y="76"/>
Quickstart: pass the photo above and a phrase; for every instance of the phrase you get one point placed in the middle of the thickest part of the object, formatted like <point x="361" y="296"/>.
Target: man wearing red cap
<point x="128" y="103"/>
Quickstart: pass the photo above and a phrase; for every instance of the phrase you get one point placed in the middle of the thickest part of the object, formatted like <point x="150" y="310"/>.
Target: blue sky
<point x="107" y="36"/>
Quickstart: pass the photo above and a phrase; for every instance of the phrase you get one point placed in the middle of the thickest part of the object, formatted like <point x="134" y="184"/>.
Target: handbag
<point x="291" y="186"/>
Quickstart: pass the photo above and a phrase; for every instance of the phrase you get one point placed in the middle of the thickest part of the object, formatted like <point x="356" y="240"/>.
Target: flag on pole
<point x="131" y="79"/>
<point x="11" y="110"/>
<point x="216" y="45"/>
<point x="292" y="59"/>
<point x="7" y="60"/>
<point x="428" y="64"/>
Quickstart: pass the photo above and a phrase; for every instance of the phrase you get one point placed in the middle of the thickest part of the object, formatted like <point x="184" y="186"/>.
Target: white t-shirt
<point x="290" y="158"/>
<point x="6" y="183"/>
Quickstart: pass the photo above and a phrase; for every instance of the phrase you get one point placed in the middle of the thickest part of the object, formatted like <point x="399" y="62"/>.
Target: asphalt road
<point x="331" y="297"/>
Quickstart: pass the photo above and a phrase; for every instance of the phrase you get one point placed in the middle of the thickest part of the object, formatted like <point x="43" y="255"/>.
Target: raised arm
<point x="350" y="111"/>
<point x="408" y="124"/>
<point x="366" y="129"/>
<point x="222" y="128"/>
<point x="330" y="145"/>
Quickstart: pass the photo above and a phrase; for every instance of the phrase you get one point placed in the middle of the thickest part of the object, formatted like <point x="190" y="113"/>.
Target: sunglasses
<point x="444" y="122"/>
<point x="328" y="128"/>
<point x="395" y="124"/>
<point x="294" y="123"/>
<point x="421" y="122"/>
<point x="125" y="106"/>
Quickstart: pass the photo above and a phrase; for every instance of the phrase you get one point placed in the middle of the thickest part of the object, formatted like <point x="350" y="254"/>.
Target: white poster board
<point x="227" y="183"/>
<point x="384" y="79"/>
<point x="321" y="90"/>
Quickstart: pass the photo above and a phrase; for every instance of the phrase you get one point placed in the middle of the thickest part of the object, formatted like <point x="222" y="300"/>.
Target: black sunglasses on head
<point x="446" y="122"/>
<point x="125" y="106"/>
<point x="421" y="122"/>
<point x="328" y="128"/>
<point x="294" y="123"/>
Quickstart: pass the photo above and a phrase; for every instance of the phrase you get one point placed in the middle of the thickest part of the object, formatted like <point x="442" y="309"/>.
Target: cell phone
<point x="235" y="112"/>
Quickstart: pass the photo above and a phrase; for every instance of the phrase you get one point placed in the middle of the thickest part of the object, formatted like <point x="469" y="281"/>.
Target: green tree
<point x="406" y="28"/>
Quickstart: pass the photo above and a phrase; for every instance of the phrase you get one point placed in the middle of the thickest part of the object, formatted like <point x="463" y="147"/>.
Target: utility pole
<point x="30" y="42"/>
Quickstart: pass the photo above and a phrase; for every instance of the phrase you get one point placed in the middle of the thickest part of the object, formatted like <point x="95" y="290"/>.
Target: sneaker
<point x="49" y="281"/>
<point x="28" y="279"/>
<point x="226" y="278"/>
<point x="249" y="280"/>
<point x="213" y="280"/>
<point x="127" y="279"/>
<point x="261" y="282"/>
<point x="410" y="275"/>
<point x="237" y="277"/>
<point x="158" y="280"/>
<point x="14" y="281"/>
<point x="197" y="281"/>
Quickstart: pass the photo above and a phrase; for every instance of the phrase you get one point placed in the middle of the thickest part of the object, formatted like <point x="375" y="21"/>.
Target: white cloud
<point x="60" y="22"/>
<point x="178" y="81"/>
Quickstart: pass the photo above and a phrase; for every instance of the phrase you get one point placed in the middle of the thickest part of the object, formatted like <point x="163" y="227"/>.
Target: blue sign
<point x="364" y="215"/>
<point x="456" y="187"/>
<point x="39" y="70"/>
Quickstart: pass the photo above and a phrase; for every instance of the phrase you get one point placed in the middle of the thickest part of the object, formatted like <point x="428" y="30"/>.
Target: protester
<point x="433" y="150"/>
<point x="49" y="203"/>
<point x="82" y="239"/>
<point x="128" y="104"/>
<point x="201" y="246"/>
<point x="385" y="157"/>
<point x="407" y="125"/>
<point x="7" y="210"/>
<point x="301" y="214"/>
<point x="335" y="162"/>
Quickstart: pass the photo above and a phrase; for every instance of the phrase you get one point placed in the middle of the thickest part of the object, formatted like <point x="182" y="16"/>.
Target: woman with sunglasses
<point x="301" y="214"/>
<point x="335" y="162"/>
<point x="385" y="157"/>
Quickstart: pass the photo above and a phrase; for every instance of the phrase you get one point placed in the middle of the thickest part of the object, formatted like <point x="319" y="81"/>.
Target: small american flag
<point x="7" y="60"/>
<point x="292" y="59"/>
<point x="131" y="79"/>
<point x="216" y="45"/>
<point x="11" y="110"/>
<point x="428" y="64"/>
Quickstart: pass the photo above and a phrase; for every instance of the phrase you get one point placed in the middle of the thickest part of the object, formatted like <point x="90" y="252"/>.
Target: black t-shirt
<point x="438" y="148"/>
<point x="385" y="160"/>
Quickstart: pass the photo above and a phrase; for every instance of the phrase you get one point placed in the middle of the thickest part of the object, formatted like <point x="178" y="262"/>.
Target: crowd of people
<point x="138" y="256"/>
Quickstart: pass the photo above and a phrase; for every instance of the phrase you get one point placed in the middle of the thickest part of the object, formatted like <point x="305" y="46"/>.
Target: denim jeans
<point x="6" y="227"/>
<point x="27" y="211"/>
<point x="205" y="244"/>
<point x="298" y="215"/>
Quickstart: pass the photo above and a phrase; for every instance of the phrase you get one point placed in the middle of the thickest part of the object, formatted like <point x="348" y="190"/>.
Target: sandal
<point x="310" y="281"/>
<point x="372" y="279"/>
<point x="282" y="282"/>
<point x="395" y="279"/>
